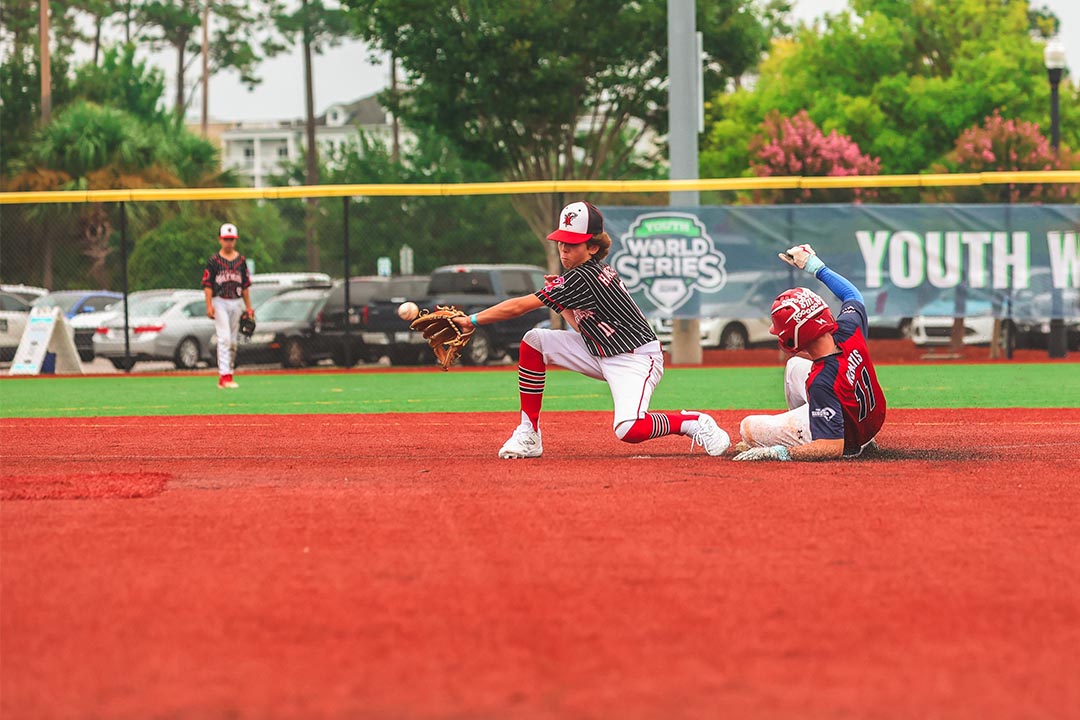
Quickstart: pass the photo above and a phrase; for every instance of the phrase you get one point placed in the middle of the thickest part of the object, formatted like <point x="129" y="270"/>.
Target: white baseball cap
<point x="228" y="230"/>
<point x="578" y="222"/>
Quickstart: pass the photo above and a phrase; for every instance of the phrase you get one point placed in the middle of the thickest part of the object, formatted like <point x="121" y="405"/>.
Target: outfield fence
<point x="1011" y="259"/>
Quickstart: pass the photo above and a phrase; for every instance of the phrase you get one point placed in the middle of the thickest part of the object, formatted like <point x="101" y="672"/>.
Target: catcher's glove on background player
<point x="446" y="337"/>
<point x="247" y="325"/>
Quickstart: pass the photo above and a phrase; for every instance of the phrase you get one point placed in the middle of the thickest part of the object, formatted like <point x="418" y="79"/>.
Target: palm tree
<point x="90" y="147"/>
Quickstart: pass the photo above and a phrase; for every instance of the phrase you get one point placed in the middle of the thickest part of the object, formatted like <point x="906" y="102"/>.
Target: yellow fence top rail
<point x="543" y="187"/>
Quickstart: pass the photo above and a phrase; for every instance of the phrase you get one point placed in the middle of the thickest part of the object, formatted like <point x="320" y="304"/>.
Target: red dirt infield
<point x="391" y="566"/>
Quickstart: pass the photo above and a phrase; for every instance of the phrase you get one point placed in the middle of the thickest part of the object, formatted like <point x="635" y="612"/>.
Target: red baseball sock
<point x="657" y="424"/>
<point x="531" y="376"/>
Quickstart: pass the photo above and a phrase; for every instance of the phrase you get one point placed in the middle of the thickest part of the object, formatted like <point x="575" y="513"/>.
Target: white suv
<point x="740" y="322"/>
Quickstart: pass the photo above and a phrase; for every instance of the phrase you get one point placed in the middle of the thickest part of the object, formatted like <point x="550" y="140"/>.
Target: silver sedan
<point x="169" y="327"/>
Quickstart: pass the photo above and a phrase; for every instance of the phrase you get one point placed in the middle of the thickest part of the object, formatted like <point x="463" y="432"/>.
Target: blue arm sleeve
<point x="840" y="286"/>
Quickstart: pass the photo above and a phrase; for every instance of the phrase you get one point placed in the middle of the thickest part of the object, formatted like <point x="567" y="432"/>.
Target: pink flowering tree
<point x="795" y="146"/>
<point x="1002" y="145"/>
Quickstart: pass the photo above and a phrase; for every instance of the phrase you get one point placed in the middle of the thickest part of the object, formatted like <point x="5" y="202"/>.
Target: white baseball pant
<point x="227" y="326"/>
<point x="790" y="428"/>
<point x="631" y="377"/>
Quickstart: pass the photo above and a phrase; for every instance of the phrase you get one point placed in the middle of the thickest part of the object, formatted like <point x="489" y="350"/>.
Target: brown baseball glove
<point x="446" y="337"/>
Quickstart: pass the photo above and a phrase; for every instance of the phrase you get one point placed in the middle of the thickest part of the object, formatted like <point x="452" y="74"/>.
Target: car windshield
<point x="286" y="309"/>
<point x="64" y="302"/>
<point x="464" y="282"/>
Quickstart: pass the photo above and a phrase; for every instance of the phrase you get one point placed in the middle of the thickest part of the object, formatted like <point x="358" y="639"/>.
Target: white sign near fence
<point x="46" y="332"/>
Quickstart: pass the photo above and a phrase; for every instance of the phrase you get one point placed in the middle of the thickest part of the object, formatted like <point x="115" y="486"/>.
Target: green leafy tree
<point x="100" y="12"/>
<point x="318" y="25"/>
<point x="90" y="147"/>
<point x="173" y="254"/>
<point x="20" y="77"/>
<point x="796" y="146"/>
<point x="1002" y="145"/>
<point x="902" y="79"/>
<point x="440" y="230"/>
<point x="240" y="37"/>
<point x="538" y="90"/>
<point x="121" y="81"/>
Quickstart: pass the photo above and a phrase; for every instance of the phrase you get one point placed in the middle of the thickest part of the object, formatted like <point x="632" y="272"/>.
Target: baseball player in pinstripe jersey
<point x="613" y="342"/>
<point x="226" y="281"/>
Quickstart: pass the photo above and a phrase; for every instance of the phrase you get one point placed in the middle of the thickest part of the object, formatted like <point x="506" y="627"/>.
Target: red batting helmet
<point x="800" y="316"/>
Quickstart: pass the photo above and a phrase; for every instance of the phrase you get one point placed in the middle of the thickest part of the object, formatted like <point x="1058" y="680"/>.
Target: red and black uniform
<point x="607" y="317"/>
<point x="843" y="393"/>
<point x="226" y="278"/>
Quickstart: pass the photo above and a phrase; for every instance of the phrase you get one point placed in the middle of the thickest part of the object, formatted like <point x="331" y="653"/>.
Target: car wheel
<point x="479" y="349"/>
<point x="734" y="337"/>
<point x="186" y="356"/>
<point x="122" y="363"/>
<point x="293" y="354"/>
<point x="86" y="356"/>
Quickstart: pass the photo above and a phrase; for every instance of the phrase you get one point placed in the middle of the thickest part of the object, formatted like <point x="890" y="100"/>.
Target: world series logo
<point x="667" y="256"/>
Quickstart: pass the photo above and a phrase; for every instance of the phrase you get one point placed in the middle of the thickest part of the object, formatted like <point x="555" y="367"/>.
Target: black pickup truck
<point x="470" y="288"/>
<point x="374" y="328"/>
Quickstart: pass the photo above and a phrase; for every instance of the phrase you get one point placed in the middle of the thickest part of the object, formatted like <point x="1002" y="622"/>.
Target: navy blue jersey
<point x="842" y="389"/>
<point x="226" y="278"/>
<point x="607" y="317"/>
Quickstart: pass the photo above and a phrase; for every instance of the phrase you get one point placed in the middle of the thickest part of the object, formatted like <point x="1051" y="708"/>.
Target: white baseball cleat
<point x="524" y="443"/>
<point x="710" y="436"/>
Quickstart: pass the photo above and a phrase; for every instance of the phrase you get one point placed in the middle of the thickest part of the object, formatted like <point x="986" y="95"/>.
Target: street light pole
<point x="1054" y="57"/>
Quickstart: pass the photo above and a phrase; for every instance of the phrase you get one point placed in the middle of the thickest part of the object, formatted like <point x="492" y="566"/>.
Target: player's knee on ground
<point x="634" y="431"/>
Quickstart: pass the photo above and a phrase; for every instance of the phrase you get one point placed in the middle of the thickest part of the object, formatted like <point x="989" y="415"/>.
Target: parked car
<point x="266" y="285"/>
<point x="374" y="327"/>
<point x="86" y="324"/>
<point x="28" y="293"/>
<point x="75" y="302"/>
<point x="1025" y="316"/>
<point x="288" y="330"/>
<point x="1034" y="331"/>
<point x="737" y="323"/>
<point x="474" y="287"/>
<point x="14" y="311"/>
<point x="162" y="327"/>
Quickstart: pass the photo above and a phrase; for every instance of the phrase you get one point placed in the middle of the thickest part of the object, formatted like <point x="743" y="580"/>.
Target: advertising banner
<point x="1015" y="261"/>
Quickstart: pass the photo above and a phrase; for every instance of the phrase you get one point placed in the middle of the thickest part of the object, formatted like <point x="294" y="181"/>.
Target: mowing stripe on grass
<point x="1031" y="385"/>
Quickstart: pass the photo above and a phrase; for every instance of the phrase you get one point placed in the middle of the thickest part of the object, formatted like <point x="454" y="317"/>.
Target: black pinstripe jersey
<point x="606" y="315"/>
<point x="226" y="278"/>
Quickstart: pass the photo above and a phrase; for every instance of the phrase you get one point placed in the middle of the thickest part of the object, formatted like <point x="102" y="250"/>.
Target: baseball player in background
<point x="613" y="342"/>
<point x="226" y="281"/>
<point x="836" y="406"/>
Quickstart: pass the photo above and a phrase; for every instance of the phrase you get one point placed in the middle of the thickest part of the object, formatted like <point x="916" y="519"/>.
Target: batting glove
<point x="773" y="452"/>
<point x="804" y="258"/>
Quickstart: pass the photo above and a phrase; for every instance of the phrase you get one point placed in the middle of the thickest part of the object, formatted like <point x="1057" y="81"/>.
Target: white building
<point x="255" y="151"/>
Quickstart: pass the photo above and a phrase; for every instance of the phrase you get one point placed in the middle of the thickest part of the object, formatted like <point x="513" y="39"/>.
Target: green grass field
<point x="1032" y="385"/>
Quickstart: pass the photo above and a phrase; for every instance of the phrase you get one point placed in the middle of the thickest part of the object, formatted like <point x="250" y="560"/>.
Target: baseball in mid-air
<point x="408" y="311"/>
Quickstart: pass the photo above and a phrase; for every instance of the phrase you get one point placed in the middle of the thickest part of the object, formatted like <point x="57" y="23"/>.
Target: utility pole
<point x="206" y="70"/>
<point x="46" y="62"/>
<point x="684" y="104"/>
<point x="1057" y="344"/>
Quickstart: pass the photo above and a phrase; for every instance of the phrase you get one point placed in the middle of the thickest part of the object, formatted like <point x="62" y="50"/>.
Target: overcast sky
<point x="344" y="74"/>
